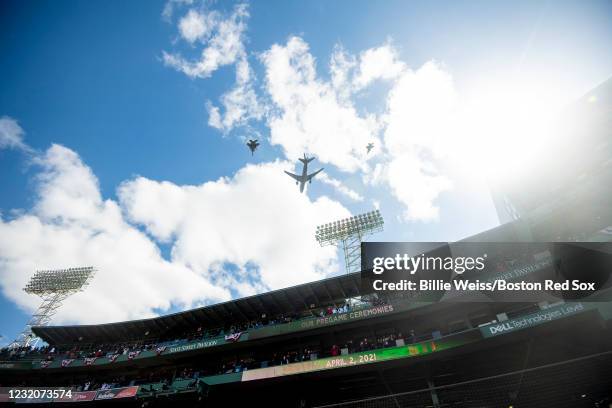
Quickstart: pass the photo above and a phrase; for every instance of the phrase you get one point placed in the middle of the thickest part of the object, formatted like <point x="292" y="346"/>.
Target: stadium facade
<point x="327" y="342"/>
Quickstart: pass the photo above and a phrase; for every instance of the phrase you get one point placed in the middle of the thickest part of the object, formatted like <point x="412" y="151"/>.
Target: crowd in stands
<point x="166" y="377"/>
<point x="161" y="380"/>
<point x="50" y="353"/>
<point x="80" y="351"/>
<point x="295" y="356"/>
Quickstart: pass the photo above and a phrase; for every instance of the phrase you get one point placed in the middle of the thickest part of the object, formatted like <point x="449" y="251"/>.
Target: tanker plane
<point x="304" y="177"/>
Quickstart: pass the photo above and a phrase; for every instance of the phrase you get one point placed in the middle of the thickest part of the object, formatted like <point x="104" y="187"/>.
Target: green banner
<point x="203" y="344"/>
<point x="334" y="319"/>
<point x="361" y="358"/>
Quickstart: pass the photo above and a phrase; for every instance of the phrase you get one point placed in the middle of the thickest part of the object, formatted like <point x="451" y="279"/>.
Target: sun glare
<point x="506" y="126"/>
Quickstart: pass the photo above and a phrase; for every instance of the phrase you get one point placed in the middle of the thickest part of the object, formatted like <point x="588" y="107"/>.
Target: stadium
<point x="341" y="342"/>
<point x="328" y="344"/>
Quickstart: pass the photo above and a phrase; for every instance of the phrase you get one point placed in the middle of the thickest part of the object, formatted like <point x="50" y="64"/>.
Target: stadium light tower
<point x="53" y="287"/>
<point x="350" y="232"/>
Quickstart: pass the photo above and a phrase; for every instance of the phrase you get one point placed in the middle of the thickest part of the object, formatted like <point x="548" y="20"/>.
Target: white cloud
<point x="249" y="220"/>
<point x="419" y="107"/>
<point x="223" y="47"/>
<point x="223" y="44"/>
<point x="71" y="225"/>
<point x="170" y="5"/>
<point x="240" y="104"/>
<point x="350" y="74"/>
<point x="381" y="63"/>
<point x="258" y="217"/>
<point x="419" y="123"/>
<point x="340" y="187"/>
<point x="319" y="117"/>
<point x="233" y="236"/>
<point x="196" y="26"/>
<point x="416" y="183"/>
<point x="341" y="68"/>
<point x="308" y="115"/>
<point x="11" y="134"/>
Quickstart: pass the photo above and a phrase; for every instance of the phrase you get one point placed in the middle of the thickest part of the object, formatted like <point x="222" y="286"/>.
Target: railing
<point x="266" y="331"/>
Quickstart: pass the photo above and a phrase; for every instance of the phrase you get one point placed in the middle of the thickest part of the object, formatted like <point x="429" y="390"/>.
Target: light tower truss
<point x="350" y="232"/>
<point x="53" y="287"/>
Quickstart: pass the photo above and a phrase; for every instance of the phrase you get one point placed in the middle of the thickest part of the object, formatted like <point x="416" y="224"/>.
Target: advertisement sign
<point x="77" y="396"/>
<point x="195" y="345"/>
<point x="345" y="317"/>
<point x="90" y="360"/>
<point x="334" y="319"/>
<point x="116" y="393"/>
<point x="361" y="358"/>
<point x="531" y="320"/>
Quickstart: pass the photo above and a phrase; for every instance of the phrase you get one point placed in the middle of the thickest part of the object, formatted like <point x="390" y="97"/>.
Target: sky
<point x="123" y="129"/>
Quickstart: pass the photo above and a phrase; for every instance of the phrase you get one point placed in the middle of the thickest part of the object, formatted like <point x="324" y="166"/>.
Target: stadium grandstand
<point x="328" y="343"/>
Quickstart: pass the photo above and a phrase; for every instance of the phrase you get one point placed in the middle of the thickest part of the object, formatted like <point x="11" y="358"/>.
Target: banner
<point x="116" y="393"/>
<point x="333" y="319"/>
<point x="160" y="350"/>
<point x="346" y="317"/>
<point x="364" y="357"/>
<point x="531" y="320"/>
<point x="90" y="360"/>
<point x="133" y="354"/>
<point x="196" y="345"/>
<point x="233" y="336"/>
<point x="67" y="362"/>
<point x="113" y="358"/>
<point x="78" y="396"/>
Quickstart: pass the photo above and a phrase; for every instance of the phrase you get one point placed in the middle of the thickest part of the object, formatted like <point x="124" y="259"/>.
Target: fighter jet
<point x="252" y="144"/>
<point x="305" y="177"/>
<point x="369" y="147"/>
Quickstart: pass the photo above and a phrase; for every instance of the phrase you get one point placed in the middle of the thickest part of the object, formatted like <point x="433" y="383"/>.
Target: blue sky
<point x="95" y="79"/>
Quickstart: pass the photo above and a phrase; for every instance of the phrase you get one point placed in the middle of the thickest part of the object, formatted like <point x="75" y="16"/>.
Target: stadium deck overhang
<point x="289" y="300"/>
<point x="283" y="301"/>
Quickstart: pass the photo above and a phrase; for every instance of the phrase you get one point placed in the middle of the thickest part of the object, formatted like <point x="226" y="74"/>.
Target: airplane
<point x="370" y="146"/>
<point x="252" y="144"/>
<point x="305" y="177"/>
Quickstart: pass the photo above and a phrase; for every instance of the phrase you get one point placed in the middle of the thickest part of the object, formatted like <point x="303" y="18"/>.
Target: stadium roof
<point x="290" y="300"/>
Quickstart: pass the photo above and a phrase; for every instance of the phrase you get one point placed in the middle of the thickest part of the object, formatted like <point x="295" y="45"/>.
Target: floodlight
<point x="53" y="287"/>
<point x="350" y="232"/>
<point x="59" y="281"/>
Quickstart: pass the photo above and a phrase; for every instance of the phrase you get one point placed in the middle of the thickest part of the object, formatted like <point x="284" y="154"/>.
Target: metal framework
<point x="350" y="232"/>
<point x="53" y="287"/>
